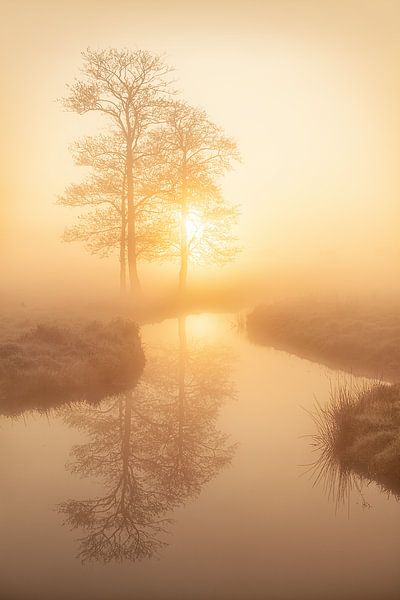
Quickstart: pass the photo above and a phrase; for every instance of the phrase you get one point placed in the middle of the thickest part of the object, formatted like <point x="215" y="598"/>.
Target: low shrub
<point x="50" y="364"/>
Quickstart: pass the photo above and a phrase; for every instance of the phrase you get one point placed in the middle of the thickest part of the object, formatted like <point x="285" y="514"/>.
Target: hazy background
<point x="310" y="90"/>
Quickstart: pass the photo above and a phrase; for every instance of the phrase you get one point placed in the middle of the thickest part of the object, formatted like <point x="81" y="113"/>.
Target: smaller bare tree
<point x="196" y="154"/>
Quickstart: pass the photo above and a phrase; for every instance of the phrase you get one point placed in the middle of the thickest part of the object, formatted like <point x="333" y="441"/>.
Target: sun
<point x="194" y="225"/>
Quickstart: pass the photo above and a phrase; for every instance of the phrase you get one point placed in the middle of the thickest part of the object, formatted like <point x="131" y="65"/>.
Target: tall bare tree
<point x="128" y="87"/>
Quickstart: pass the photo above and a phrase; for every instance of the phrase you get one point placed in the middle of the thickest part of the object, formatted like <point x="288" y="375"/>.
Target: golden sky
<point x="309" y="89"/>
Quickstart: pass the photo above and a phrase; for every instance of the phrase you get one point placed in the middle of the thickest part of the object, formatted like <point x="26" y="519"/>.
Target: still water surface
<point x="199" y="474"/>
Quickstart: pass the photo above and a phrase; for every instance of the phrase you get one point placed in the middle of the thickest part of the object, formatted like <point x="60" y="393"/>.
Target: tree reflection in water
<point x="153" y="449"/>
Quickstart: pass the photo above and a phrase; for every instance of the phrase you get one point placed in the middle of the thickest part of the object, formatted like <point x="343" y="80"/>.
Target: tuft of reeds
<point x="357" y="440"/>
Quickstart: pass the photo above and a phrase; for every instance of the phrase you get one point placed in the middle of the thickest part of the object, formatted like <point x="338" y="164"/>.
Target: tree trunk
<point x="183" y="242"/>
<point x="132" y="258"/>
<point x="122" y="248"/>
<point x="184" y="255"/>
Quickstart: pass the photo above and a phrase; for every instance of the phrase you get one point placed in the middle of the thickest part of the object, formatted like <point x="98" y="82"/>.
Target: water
<point x="227" y="419"/>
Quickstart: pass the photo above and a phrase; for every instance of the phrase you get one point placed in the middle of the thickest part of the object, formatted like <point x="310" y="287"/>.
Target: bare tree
<point x="126" y="86"/>
<point x="196" y="153"/>
<point x="102" y="227"/>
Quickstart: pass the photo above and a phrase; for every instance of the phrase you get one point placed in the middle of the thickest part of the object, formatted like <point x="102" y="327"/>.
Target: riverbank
<point x="360" y="339"/>
<point x="49" y="363"/>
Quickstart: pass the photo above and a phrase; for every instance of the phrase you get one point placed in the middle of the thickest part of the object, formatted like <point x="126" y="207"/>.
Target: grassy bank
<point x="364" y="340"/>
<point x="48" y="364"/>
<point x="358" y="439"/>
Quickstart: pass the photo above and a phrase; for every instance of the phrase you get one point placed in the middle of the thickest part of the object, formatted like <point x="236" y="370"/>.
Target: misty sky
<point x="310" y="91"/>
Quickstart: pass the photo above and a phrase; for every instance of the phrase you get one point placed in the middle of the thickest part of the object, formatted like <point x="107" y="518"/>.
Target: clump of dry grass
<point x="50" y="364"/>
<point x="358" y="439"/>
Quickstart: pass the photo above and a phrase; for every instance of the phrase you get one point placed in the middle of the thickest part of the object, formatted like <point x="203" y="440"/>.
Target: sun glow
<point x="194" y="225"/>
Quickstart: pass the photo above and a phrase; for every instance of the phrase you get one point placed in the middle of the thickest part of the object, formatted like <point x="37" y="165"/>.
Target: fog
<point x="199" y="299"/>
<point x="308" y="90"/>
